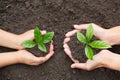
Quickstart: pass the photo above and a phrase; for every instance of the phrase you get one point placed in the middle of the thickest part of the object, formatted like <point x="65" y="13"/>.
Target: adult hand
<point x="104" y="58"/>
<point x="98" y="32"/>
<point x="28" y="58"/>
<point x="29" y="35"/>
<point x="107" y="35"/>
<point x="13" y="40"/>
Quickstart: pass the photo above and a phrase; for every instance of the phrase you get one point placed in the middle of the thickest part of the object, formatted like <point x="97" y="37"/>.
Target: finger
<point x="66" y="40"/>
<point x="48" y="56"/>
<point x="51" y="46"/>
<point x="66" y="46"/>
<point x="71" y="33"/>
<point x="43" y="32"/>
<point x="51" y="52"/>
<point x="38" y="60"/>
<point x="81" y="27"/>
<point x="98" y="31"/>
<point x="81" y="66"/>
<point x="30" y="34"/>
<point x="68" y="52"/>
<point x="85" y="26"/>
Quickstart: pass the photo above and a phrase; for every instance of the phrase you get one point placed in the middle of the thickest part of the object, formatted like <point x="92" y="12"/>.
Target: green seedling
<point x="89" y="45"/>
<point x="40" y="40"/>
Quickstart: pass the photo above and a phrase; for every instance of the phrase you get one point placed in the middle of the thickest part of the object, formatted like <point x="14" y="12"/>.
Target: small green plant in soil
<point x="89" y="45"/>
<point x="40" y="40"/>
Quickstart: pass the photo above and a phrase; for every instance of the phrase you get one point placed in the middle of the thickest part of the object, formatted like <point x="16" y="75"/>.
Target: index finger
<point x="50" y="54"/>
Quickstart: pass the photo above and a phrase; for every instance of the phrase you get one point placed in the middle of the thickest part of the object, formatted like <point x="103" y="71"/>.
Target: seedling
<point x="89" y="45"/>
<point x="40" y="40"/>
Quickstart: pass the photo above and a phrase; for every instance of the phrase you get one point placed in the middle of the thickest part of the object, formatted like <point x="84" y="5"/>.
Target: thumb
<point x="81" y="27"/>
<point x="79" y="66"/>
<point x="30" y="34"/>
<point x="39" y="60"/>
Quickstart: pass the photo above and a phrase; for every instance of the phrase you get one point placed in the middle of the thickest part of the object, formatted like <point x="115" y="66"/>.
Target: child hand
<point x="26" y="57"/>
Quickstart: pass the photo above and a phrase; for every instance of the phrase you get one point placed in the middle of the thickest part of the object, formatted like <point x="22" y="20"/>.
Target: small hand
<point x="29" y="35"/>
<point x="28" y="58"/>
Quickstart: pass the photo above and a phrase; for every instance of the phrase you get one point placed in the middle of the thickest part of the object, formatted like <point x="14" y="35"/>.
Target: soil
<point x="18" y="16"/>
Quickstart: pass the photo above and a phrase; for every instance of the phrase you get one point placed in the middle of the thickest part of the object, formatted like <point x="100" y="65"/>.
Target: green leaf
<point x="99" y="44"/>
<point x="48" y="37"/>
<point x="28" y="44"/>
<point x="37" y="35"/>
<point x="89" y="52"/>
<point x="81" y="37"/>
<point x="89" y="32"/>
<point x="42" y="47"/>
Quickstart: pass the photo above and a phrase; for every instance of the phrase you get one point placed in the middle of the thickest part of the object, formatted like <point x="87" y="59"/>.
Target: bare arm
<point x="24" y="57"/>
<point x="113" y="35"/>
<point x="8" y="39"/>
<point x="13" y="40"/>
<point x="8" y="58"/>
<point x="110" y="36"/>
<point x="103" y="59"/>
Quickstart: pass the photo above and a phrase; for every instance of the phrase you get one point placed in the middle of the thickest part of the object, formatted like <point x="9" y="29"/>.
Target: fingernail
<point x="72" y="66"/>
<point x="75" y="26"/>
<point x="65" y="45"/>
<point x="44" y="31"/>
<point x="66" y="40"/>
<point x="67" y="34"/>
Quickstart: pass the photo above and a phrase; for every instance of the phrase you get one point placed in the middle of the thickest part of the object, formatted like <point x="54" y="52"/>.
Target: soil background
<point x="18" y="16"/>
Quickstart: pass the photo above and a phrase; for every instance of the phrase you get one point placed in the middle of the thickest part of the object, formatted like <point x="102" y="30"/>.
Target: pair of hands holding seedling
<point x="104" y="58"/>
<point x="21" y="56"/>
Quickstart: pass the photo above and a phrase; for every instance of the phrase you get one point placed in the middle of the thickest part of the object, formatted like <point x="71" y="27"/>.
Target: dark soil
<point x="18" y="16"/>
<point x="78" y="51"/>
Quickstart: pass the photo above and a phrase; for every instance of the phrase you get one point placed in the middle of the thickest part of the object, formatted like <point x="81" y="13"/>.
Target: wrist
<point x="18" y="56"/>
<point x="110" y="60"/>
<point x="110" y="37"/>
<point x="105" y="58"/>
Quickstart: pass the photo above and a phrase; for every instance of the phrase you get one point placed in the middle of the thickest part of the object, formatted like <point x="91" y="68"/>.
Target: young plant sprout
<point x="40" y="40"/>
<point x="89" y="45"/>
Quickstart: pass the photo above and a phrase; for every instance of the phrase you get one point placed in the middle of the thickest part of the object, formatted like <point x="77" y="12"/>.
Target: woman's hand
<point x="105" y="58"/>
<point x="14" y="41"/>
<point x="29" y="35"/>
<point x="108" y="35"/>
<point x="26" y="57"/>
